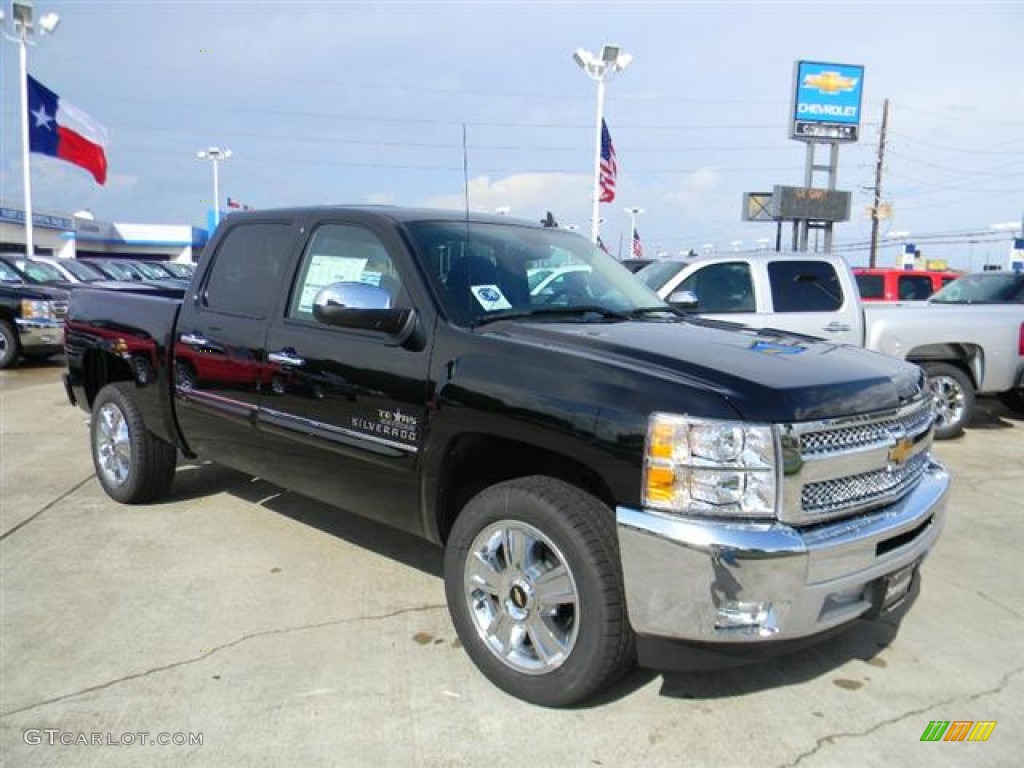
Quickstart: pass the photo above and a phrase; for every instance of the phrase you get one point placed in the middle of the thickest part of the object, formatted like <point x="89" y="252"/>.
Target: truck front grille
<point x="844" y="466"/>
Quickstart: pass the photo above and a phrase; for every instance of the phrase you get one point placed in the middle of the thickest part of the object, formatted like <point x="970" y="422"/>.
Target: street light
<point x="25" y="33"/>
<point x="215" y="155"/>
<point x="633" y="213"/>
<point x="600" y="70"/>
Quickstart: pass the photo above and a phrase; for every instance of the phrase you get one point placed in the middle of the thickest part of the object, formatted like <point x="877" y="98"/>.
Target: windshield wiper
<point x="666" y="310"/>
<point x="588" y="309"/>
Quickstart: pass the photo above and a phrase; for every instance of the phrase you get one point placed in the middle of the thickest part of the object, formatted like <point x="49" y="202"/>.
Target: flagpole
<point x="601" y="70"/>
<point x="30" y="247"/>
<point x="595" y="227"/>
<point x="24" y="27"/>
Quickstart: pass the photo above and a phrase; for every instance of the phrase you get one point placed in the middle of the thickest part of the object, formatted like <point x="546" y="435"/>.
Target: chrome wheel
<point x="522" y="597"/>
<point x="950" y="400"/>
<point x="113" y="444"/>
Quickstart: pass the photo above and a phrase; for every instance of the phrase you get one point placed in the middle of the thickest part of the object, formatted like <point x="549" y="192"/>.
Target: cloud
<point x="694" y="189"/>
<point x="381" y="198"/>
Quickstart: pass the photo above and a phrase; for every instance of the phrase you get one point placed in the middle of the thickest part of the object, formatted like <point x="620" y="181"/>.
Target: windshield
<point x="151" y="271"/>
<point x="39" y="272"/>
<point x="485" y="271"/>
<point x="9" y="274"/>
<point x="656" y="274"/>
<point x="986" y="288"/>
<point x="121" y="271"/>
<point x="84" y="272"/>
<point x="178" y="269"/>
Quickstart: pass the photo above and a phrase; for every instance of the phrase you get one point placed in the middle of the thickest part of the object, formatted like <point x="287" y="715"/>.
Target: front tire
<point x="954" y="398"/>
<point x="534" y="587"/>
<point x="132" y="464"/>
<point x="9" y="346"/>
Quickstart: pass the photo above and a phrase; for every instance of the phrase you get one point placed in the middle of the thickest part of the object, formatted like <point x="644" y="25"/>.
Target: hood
<point x="43" y="291"/>
<point x="766" y="376"/>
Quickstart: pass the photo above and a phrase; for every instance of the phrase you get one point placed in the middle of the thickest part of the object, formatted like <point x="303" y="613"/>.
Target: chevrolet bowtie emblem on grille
<point x="900" y="452"/>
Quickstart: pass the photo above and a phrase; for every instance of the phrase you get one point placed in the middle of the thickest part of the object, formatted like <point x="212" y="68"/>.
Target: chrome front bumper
<point x="40" y="334"/>
<point x="687" y="578"/>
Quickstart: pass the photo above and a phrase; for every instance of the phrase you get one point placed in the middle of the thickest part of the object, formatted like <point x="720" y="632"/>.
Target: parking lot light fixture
<point x="633" y="213"/>
<point x="600" y="70"/>
<point x="215" y="155"/>
<point x="24" y="32"/>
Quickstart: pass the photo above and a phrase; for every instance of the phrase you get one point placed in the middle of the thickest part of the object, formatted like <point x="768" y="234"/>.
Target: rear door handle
<point x="286" y="357"/>
<point x="836" y="327"/>
<point x="194" y="339"/>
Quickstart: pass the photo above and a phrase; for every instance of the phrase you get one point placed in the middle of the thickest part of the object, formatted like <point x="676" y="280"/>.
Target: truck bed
<point x="138" y="328"/>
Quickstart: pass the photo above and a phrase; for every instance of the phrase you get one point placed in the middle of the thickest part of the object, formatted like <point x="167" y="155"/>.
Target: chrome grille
<point x="60" y="309"/>
<point x="831" y="496"/>
<point x="871" y="430"/>
<point x="841" y="467"/>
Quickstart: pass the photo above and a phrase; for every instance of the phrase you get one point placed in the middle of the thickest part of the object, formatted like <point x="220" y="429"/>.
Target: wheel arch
<point x="969" y="358"/>
<point x="100" y="368"/>
<point x="476" y="461"/>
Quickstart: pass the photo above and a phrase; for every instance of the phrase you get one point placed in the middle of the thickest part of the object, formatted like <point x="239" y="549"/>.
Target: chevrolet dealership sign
<point x="826" y="101"/>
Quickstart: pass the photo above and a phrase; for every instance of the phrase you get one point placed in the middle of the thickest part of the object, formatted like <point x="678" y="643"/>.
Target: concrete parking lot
<point x="280" y="632"/>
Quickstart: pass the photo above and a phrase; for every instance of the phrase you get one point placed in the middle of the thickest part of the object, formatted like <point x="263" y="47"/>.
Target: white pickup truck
<point x="966" y="349"/>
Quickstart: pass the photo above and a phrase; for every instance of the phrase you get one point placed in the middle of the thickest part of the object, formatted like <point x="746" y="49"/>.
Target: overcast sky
<point x="355" y="102"/>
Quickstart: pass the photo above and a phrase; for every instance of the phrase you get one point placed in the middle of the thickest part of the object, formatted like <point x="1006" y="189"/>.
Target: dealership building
<point x="70" y="235"/>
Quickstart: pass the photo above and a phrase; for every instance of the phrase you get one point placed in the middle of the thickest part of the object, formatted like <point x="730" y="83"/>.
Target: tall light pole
<point x="601" y="70"/>
<point x="24" y="33"/>
<point x="215" y="155"/>
<point x="633" y="213"/>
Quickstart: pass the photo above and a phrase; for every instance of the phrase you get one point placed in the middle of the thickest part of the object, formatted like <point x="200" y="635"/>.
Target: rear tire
<point x="132" y="464"/>
<point x="9" y="345"/>
<point x="954" y="398"/>
<point x="534" y="587"/>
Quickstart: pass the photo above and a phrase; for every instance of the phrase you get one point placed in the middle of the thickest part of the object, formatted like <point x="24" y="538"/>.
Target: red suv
<point x="893" y="284"/>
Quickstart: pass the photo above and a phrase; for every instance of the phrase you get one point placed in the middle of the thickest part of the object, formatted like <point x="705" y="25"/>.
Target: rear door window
<point x="248" y="269"/>
<point x="804" y="286"/>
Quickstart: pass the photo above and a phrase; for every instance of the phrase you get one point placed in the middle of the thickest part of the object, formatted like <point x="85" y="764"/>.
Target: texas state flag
<point x="59" y="129"/>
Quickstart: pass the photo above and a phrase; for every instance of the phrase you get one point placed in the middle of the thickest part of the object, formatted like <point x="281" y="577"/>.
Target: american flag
<point x="638" y="248"/>
<point x="232" y="203"/>
<point x="609" y="168"/>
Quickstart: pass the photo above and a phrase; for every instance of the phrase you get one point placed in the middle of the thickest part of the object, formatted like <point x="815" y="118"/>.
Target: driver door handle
<point x="286" y="357"/>
<point x="194" y="340"/>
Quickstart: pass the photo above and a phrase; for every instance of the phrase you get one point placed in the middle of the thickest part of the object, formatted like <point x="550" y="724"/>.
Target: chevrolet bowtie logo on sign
<point x="830" y="82"/>
<point x="958" y="730"/>
<point x="826" y="101"/>
<point x="900" y="452"/>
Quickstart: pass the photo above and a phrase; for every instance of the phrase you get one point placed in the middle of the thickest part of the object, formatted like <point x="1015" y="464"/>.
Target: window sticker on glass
<point x="324" y="270"/>
<point x="490" y="297"/>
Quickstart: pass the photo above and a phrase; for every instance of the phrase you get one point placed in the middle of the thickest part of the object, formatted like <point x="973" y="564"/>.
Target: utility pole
<point x="878" y="183"/>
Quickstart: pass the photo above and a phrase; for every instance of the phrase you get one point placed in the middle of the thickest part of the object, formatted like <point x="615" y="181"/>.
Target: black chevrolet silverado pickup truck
<point x="609" y="479"/>
<point x="31" y="316"/>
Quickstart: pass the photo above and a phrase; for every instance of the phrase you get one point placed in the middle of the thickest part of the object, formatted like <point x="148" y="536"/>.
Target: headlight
<point x="710" y="467"/>
<point x="37" y="310"/>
